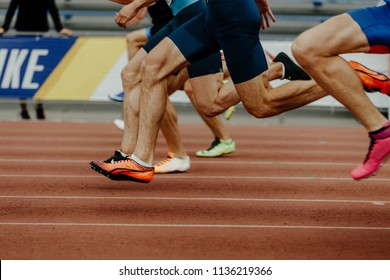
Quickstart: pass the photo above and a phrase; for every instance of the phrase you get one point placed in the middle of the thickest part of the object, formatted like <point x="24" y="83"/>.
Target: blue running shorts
<point x="231" y="25"/>
<point x="209" y="64"/>
<point x="375" y="23"/>
<point x="160" y="14"/>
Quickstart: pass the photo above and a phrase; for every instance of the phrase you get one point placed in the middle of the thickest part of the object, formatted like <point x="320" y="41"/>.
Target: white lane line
<point x="218" y="199"/>
<point x="188" y="177"/>
<point x="190" y="141"/>
<point x="206" y="161"/>
<point x="287" y="150"/>
<point x="192" y="226"/>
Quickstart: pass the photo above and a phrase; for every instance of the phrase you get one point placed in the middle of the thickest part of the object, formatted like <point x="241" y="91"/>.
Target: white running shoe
<point x="172" y="164"/>
<point x="120" y="124"/>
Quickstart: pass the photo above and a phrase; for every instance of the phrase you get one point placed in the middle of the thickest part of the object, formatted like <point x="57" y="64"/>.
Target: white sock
<point x="139" y="161"/>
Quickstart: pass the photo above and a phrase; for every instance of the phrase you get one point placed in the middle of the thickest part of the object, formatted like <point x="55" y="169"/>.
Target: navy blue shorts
<point x="231" y="25"/>
<point x="209" y="64"/>
<point x="375" y="23"/>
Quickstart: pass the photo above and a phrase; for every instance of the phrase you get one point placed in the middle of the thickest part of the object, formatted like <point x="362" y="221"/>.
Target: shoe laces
<point x="216" y="142"/>
<point x="164" y="161"/>
<point x="370" y="148"/>
<point x="117" y="157"/>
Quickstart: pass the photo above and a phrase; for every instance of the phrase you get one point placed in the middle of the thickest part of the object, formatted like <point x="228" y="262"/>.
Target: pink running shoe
<point x="377" y="154"/>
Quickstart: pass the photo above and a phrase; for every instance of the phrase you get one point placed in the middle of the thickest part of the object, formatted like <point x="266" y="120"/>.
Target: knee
<point x="130" y="75"/>
<point x="151" y="70"/>
<point x="303" y="51"/>
<point x="131" y="38"/>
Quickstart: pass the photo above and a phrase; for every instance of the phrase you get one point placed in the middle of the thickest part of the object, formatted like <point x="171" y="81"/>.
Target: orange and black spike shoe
<point x="124" y="169"/>
<point x="372" y="81"/>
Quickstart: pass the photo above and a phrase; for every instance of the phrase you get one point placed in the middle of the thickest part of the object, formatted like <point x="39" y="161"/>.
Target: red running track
<point x="285" y="194"/>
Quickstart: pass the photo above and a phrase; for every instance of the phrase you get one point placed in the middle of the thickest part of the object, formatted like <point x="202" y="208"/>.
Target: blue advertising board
<point x="27" y="61"/>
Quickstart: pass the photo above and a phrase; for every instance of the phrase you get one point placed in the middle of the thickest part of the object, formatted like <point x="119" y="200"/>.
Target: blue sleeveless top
<point x="178" y="5"/>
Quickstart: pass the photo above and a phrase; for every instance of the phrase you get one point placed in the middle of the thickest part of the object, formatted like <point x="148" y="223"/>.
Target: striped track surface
<point x="285" y="194"/>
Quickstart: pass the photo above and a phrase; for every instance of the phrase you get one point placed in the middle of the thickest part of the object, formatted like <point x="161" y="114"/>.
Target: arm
<point x="265" y="12"/>
<point x="123" y="2"/>
<point x="54" y="15"/>
<point x="56" y="19"/>
<point x="9" y="15"/>
<point x="138" y="17"/>
<point x="129" y="11"/>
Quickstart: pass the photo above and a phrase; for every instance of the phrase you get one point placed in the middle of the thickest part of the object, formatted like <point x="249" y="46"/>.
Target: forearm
<point x="56" y="19"/>
<point x="55" y="15"/>
<point x="123" y="2"/>
<point x="129" y="11"/>
<point x="10" y="13"/>
<point x="139" y="4"/>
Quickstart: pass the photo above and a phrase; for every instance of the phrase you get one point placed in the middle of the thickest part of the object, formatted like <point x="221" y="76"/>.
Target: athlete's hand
<point x="2" y="31"/>
<point x="266" y="13"/>
<point x="125" y="15"/>
<point x="138" y="17"/>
